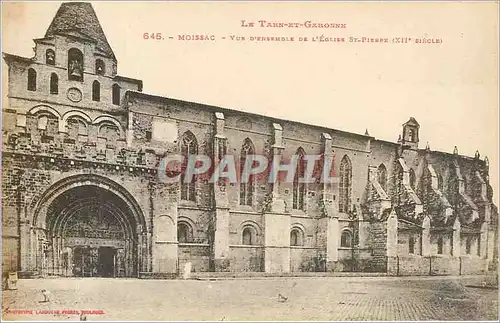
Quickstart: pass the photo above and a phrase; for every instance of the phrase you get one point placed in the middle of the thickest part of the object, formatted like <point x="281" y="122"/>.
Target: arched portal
<point x="88" y="226"/>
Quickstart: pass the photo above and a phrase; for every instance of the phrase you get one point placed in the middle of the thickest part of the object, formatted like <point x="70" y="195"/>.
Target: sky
<point x="450" y="88"/>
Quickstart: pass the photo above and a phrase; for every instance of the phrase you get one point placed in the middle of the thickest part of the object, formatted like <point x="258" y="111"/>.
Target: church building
<point x="82" y="196"/>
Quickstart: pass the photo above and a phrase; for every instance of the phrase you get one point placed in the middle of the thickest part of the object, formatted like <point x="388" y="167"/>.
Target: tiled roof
<point x="82" y="17"/>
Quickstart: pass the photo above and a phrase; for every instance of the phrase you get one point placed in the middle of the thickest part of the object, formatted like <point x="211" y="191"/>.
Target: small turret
<point x="410" y="136"/>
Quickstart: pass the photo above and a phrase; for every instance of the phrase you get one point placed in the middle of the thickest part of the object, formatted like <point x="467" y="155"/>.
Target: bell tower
<point x="409" y="137"/>
<point x="77" y="42"/>
<point x="74" y="68"/>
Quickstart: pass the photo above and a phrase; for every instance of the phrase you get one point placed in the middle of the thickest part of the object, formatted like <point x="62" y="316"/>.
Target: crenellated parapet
<point x="101" y="140"/>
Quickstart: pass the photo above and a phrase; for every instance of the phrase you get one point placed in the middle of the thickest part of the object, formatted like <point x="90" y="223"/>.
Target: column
<point x="492" y="242"/>
<point x="127" y="252"/>
<point x="130" y="128"/>
<point x="165" y="244"/>
<point x="332" y="242"/>
<point x="278" y="202"/>
<point x="70" y="262"/>
<point x="277" y="242"/>
<point x="31" y="256"/>
<point x="277" y="221"/>
<point x="57" y="255"/>
<point x="55" y="250"/>
<point x="392" y="235"/>
<point x="426" y="236"/>
<point x="456" y="238"/>
<point x="483" y="238"/>
<point x="489" y="232"/>
<point x="25" y="244"/>
<point x="144" y="244"/>
<point x="392" y="243"/>
<point x="61" y="256"/>
<point x="139" y="250"/>
<point x="329" y="209"/>
<point x="149" y="251"/>
<point x="363" y="229"/>
<point x="221" y="240"/>
<point x="220" y="229"/>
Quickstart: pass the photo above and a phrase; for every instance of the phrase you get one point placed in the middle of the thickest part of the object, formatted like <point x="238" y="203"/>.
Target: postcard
<point x="229" y="161"/>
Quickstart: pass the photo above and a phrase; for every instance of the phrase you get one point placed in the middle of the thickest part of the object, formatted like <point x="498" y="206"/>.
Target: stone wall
<point x="444" y="265"/>
<point x="473" y="265"/>
<point x="304" y="259"/>
<point x="434" y="265"/>
<point x="376" y="245"/>
<point x="246" y="258"/>
<point x="197" y="255"/>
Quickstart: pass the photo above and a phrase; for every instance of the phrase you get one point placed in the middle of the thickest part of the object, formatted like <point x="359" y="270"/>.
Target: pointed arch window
<point x="413" y="178"/>
<point x="54" y="83"/>
<point x="50" y="57"/>
<point x="468" y="245"/>
<point x="189" y="146"/>
<point x="75" y="65"/>
<point x="382" y="177"/>
<point x="345" y="185"/>
<point x="440" y="246"/>
<point x="246" y="185"/>
<point x="116" y="94"/>
<point x="440" y="182"/>
<point x="398" y="182"/>
<point x="411" y="245"/>
<point x="31" y="80"/>
<point x="299" y="189"/>
<point x="100" y="68"/>
<point x="96" y="91"/>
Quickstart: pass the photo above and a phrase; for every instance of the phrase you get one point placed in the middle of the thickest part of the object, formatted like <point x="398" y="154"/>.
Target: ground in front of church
<point x="302" y="298"/>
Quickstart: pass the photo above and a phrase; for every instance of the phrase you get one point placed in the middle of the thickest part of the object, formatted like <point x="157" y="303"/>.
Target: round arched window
<point x="296" y="237"/>
<point x="346" y="239"/>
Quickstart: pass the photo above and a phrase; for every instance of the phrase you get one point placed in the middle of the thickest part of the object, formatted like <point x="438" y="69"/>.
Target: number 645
<point x="156" y="36"/>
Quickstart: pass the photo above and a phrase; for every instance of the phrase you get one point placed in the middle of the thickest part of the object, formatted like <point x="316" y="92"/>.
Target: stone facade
<point x="82" y="193"/>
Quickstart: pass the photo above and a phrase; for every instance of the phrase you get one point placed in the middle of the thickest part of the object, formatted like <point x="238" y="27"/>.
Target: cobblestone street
<point x="309" y="298"/>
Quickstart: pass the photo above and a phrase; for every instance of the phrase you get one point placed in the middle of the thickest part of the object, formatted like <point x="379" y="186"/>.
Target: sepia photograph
<point x="250" y="161"/>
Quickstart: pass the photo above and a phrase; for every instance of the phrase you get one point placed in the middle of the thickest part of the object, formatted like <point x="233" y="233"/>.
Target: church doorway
<point x="94" y="262"/>
<point x="89" y="231"/>
<point x="107" y="262"/>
